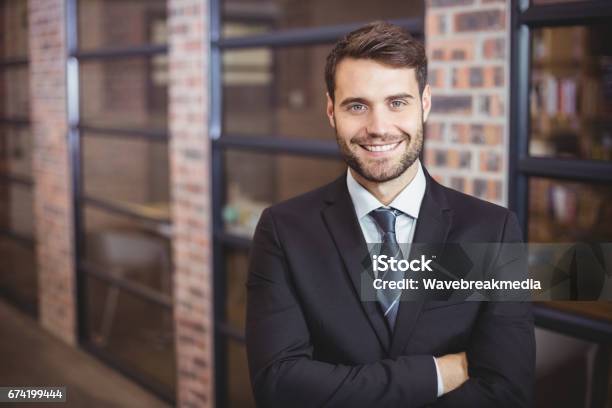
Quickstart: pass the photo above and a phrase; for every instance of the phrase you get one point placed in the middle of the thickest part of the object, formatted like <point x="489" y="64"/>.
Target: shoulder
<point x="308" y="203"/>
<point x="298" y="219"/>
<point x="463" y="206"/>
<point x="477" y="219"/>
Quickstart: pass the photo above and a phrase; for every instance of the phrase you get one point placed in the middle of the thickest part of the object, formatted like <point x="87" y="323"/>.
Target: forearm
<point x="501" y="360"/>
<point x="472" y="394"/>
<point x="409" y="381"/>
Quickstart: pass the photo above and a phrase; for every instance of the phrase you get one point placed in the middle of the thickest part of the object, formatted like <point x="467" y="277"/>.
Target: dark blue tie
<point x="388" y="298"/>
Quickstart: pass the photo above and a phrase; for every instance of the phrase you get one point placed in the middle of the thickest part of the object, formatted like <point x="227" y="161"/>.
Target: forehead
<point x="366" y="77"/>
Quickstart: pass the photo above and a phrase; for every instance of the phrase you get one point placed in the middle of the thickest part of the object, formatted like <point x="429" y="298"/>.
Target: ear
<point x="426" y="102"/>
<point x="330" y="110"/>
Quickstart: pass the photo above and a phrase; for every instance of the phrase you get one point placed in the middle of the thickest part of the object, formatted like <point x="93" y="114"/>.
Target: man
<point x="311" y="338"/>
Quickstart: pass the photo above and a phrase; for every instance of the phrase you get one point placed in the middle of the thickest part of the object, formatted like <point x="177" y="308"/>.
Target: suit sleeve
<point x="501" y="354"/>
<point x="280" y="354"/>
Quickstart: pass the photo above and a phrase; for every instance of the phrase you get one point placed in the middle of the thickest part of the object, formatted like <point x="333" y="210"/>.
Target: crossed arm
<point x="284" y="372"/>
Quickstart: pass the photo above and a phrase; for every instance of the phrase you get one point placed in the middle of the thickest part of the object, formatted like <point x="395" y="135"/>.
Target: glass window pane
<point x="133" y="331"/>
<point x="126" y="92"/>
<point x="13" y="29"/>
<point x="122" y="23"/>
<point x="289" y="14"/>
<point x="571" y="92"/>
<point x="564" y="211"/>
<point x="236" y="265"/>
<point x="257" y="180"/>
<point x="16" y="212"/>
<point x="129" y="249"/>
<point x="239" y="392"/>
<point x="16" y="150"/>
<point x="18" y="279"/>
<point x="15" y="92"/>
<point x="128" y="170"/>
<point x="276" y="91"/>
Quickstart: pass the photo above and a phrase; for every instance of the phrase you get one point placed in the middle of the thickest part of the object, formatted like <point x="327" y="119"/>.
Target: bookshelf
<point x="570" y="95"/>
<point x="570" y="117"/>
<point x="560" y="165"/>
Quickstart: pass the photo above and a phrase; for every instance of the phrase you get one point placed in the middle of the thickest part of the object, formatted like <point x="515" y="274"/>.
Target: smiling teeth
<point x="383" y="148"/>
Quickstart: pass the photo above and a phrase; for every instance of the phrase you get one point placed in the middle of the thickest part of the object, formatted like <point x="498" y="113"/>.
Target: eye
<point x="398" y="103"/>
<point x="357" y="107"/>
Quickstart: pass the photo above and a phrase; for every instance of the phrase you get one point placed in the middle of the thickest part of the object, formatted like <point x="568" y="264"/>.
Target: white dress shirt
<point x="408" y="201"/>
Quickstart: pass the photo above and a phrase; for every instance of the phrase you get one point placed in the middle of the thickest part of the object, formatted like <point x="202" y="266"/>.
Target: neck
<point x="386" y="191"/>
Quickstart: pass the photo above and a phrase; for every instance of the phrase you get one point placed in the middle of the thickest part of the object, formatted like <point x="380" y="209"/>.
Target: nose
<point x="379" y="123"/>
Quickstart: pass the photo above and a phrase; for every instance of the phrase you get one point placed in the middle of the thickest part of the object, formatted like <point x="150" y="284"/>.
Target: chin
<point x="380" y="176"/>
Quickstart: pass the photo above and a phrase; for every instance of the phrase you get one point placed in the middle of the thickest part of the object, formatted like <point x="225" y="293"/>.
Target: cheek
<point x="347" y="128"/>
<point x="410" y="130"/>
<point x="410" y="127"/>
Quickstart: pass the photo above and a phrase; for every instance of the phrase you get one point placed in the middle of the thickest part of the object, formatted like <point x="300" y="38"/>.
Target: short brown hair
<point x="382" y="42"/>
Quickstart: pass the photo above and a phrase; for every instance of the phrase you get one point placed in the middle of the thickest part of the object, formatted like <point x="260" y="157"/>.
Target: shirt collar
<point x="408" y="200"/>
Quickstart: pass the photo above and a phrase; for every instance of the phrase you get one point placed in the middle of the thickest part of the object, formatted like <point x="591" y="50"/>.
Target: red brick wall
<point x="51" y="169"/>
<point x="191" y="204"/>
<point x="467" y="46"/>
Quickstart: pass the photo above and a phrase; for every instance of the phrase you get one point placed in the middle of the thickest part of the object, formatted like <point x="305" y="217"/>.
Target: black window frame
<point x="6" y="178"/>
<point x="76" y="128"/>
<point x="221" y="142"/>
<point x="524" y="17"/>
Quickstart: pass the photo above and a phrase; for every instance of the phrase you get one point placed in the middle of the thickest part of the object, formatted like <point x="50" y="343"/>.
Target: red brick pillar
<point x="467" y="45"/>
<point x="191" y="201"/>
<point x="51" y="169"/>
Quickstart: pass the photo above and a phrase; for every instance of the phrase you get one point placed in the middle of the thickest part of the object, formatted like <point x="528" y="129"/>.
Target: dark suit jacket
<point x="312" y="342"/>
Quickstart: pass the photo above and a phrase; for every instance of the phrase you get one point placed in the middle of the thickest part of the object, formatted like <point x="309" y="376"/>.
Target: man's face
<point x="378" y="117"/>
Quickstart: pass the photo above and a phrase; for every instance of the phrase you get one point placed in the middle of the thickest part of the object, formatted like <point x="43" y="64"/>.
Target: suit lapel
<point x="343" y="225"/>
<point x="432" y="226"/>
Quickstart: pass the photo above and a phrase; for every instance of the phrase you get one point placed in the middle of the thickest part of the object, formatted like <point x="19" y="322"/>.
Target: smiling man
<point x="312" y="340"/>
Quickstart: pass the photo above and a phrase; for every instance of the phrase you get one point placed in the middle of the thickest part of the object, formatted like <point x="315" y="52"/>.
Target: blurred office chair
<point x="124" y="254"/>
<point x="570" y="372"/>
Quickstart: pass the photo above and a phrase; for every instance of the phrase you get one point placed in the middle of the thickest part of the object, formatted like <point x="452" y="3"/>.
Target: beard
<point x="382" y="170"/>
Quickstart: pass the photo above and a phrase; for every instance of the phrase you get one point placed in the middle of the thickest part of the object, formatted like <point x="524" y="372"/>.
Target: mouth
<point x="381" y="149"/>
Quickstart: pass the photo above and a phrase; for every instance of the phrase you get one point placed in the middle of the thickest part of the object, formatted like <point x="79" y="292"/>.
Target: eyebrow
<point x="399" y="96"/>
<point x="348" y="101"/>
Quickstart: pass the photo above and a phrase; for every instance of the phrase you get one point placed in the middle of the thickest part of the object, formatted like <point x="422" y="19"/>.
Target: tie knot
<point x="385" y="218"/>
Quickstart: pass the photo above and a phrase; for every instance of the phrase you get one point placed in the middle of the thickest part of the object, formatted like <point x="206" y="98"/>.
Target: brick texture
<point x="191" y="191"/>
<point x="51" y="169"/>
<point x="467" y="130"/>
